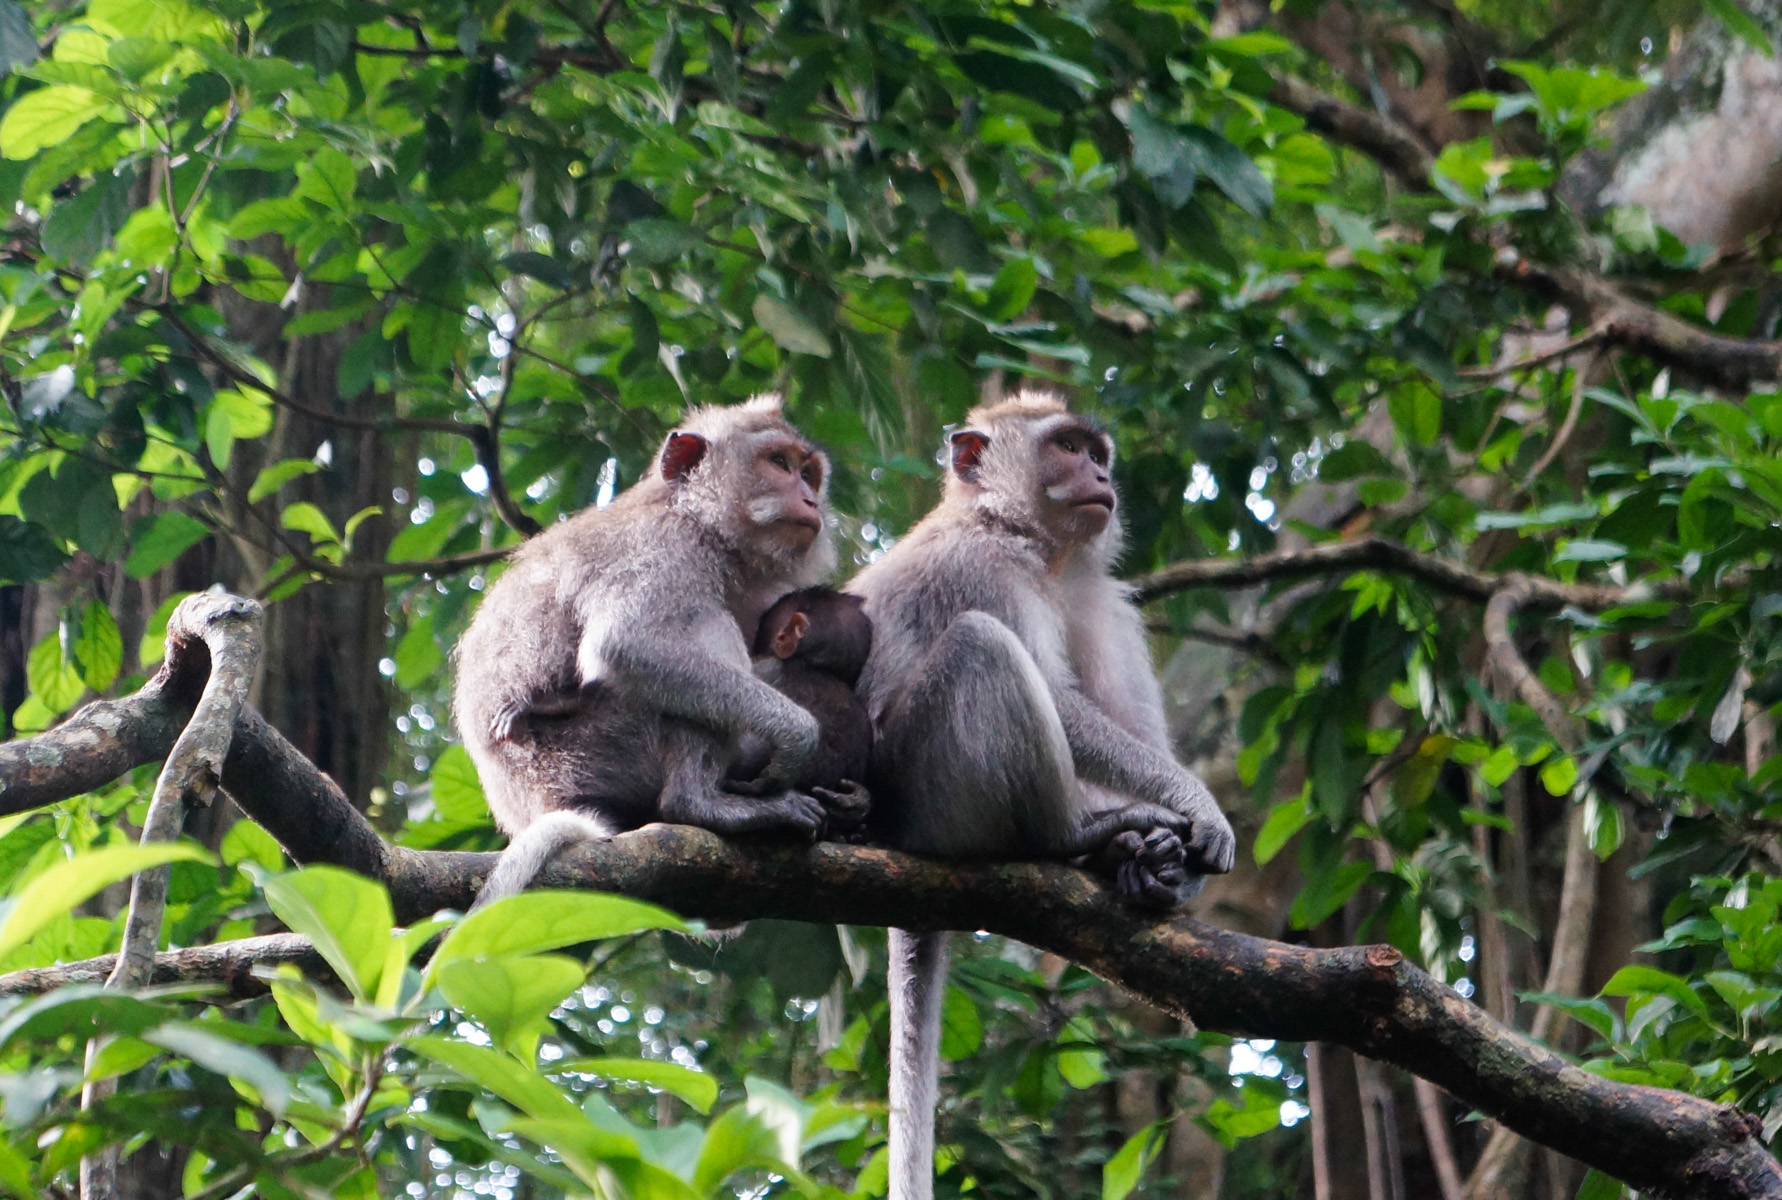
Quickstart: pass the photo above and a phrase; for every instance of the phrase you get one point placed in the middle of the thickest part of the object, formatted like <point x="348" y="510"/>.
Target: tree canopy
<point x="1438" y="341"/>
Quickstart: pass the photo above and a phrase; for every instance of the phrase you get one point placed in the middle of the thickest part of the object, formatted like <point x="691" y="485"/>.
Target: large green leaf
<point x="57" y="890"/>
<point x="533" y="922"/>
<point x="346" y="916"/>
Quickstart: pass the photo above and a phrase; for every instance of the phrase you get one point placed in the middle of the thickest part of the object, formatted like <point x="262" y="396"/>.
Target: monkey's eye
<point x="811" y="474"/>
<point x="778" y="458"/>
<point x="1098" y="453"/>
<point x="1068" y="443"/>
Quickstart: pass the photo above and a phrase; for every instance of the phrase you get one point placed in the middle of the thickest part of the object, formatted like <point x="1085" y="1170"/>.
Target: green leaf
<point x="18" y="47"/>
<point x="1080" y="1060"/>
<point x="1417" y="413"/>
<point x="541" y="267"/>
<point x="46" y="117"/>
<point x="1636" y="979"/>
<point x="79" y="228"/>
<point x="80" y="1009"/>
<point x="307" y="518"/>
<point x="417" y="656"/>
<point x="157" y="541"/>
<point x="457" y="792"/>
<point x="532" y="922"/>
<point x="698" y="1089"/>
<point x="511" y="996"/>
<point x="15" y="1168"/>
<point x="272" y="478"/>
<point x="1231" y="171"/>
<point x="1169" y="160"/>
<point x="1741" y="23"/>
<point x="27" y="553"/>
<point x="346" y="916"/>
<point x="788" y="327"/>
<point x="962" y="1027"/>
<point x="76" y="880"/>
<point x="1598" y="1186"/>
<point x="227" y="1058"/>
<point x="52" y="679"/>
<point x="656" y="240"/>
<point x="1284" y="820"/>
<point x="1560" y="775"/>
<point x="99" y="650"/>
<point x="1012" y="289"/>
<point x="737" y="1139"/>
<point x="1586" y="550"/>
<point x="1127" y="1167"/>
<point x="1351" y="460"/>
<point x="514" y="1082"/>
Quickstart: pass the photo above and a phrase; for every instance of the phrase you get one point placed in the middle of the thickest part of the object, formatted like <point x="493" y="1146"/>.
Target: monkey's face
<point x="786" y="492"/>
<point x="1076" y="494"/>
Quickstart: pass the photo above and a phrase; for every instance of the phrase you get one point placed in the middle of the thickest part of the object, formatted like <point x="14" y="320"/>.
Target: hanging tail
<point x="531" y="849"/>
<point x="918" y="979"/>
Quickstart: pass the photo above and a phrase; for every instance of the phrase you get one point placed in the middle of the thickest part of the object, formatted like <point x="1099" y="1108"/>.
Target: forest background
<point x="1438" y="338"/>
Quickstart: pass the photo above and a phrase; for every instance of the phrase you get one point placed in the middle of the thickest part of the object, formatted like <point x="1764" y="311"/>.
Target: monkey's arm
<point x="723" y="698"/>
<point x="1106" y="754"/>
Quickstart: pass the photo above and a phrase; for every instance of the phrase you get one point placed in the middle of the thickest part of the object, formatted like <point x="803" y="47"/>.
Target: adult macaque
<point x="811" y="646"/>
<point x="605" y="680"/>
<point x="1017" y="712"/>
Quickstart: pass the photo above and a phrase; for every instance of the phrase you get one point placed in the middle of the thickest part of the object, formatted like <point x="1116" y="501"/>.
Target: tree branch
<point x="1379" y="554"/>
<point x="1726" y="362"/>
<point x="1366" y="998"/>
<point x="217" y="636"/>
<point x="229" y="963"/>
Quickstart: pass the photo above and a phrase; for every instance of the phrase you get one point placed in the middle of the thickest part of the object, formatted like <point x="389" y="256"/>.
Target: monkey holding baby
<point x="605" y="681"/>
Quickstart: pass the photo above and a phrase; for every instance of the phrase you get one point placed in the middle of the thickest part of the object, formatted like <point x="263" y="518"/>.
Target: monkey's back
<point x="602" y="755"/>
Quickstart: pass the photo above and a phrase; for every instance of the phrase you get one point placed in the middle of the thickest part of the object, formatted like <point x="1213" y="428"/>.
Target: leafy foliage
<point x="507" y="244"/>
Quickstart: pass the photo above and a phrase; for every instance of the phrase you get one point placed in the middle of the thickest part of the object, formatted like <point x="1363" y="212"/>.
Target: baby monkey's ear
<point x="787" y="636"/>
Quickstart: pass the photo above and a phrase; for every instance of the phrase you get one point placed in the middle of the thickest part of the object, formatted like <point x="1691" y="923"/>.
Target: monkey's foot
<point x="1152" y="871"/>
<point x="844" y="810"/>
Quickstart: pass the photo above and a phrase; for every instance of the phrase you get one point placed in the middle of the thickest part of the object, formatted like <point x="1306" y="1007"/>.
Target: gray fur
<point x="1018" y="715"/>
<point x="607" y="672"/>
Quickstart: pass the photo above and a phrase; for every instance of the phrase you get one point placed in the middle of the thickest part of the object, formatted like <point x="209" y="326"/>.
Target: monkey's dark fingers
<point x="804" y="815"/>
<point x="1143" y="889"/>
<point x="847" y="805"/>
<point x="761" y="785"/>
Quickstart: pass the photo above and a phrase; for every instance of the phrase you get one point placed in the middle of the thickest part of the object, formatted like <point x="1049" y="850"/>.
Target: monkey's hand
<point x="1149" y="869"/>
<point x="783" y="768"/>
<point x="844" y="809"/>
<point x="1207" y="840"/>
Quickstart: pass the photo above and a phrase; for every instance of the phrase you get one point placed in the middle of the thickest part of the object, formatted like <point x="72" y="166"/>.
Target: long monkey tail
<point x="531" y="849"/>
<point x="918" y="979"/>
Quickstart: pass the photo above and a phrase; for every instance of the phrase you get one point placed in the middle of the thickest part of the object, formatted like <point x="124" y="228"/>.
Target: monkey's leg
<point x="691" y="795"/>
<point x="979" y="754"/>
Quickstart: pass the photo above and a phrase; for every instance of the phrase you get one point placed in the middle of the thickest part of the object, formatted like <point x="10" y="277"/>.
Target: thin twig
<point x="1580" y="376"/>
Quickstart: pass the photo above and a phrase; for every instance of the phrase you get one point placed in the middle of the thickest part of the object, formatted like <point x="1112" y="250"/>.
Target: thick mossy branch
<point x="1365" y="997"/>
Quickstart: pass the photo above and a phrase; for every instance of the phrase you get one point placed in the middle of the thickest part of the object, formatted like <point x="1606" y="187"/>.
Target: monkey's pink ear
<point x="968" y="449"/>
<point x="785" y="642"/>
<point x="680" y="454"/>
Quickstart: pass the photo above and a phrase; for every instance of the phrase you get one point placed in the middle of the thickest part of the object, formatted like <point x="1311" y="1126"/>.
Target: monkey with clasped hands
<point x="1017" y="713"/>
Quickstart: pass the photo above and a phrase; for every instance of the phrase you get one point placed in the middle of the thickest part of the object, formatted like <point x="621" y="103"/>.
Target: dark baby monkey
<point x="811" y="646"/>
